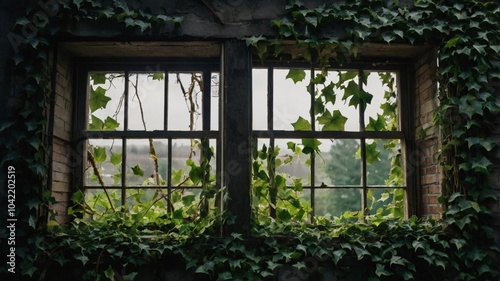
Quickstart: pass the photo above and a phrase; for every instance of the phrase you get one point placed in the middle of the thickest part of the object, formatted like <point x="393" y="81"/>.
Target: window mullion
<point x="313" y="155"/>
<point x="270" y="99"/>
<point x="206" y="101"/>
<point x="362" y="126"/>
<point x="169" y="176"/>
<point x="124" y="140"/>
<point x="165" y="102"/>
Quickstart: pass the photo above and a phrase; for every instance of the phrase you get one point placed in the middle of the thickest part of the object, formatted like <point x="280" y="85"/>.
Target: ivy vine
<point x="468" y="38"/>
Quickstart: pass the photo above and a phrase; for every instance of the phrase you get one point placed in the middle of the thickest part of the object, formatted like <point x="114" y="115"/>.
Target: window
<point x="333" y="147"/>
<point x="150" y="133"/>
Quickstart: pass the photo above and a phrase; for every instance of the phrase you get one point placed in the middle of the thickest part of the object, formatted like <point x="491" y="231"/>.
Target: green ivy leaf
<point x="338" y="255"/>
<point x="226" y="275"/>
<point x="99" y="154"/>
<point x="283" y="215"/>
<point x="107" y="12"/>
<point x="376" y="125"/>
<point x="188" y="199"/>
<point x="381" y="271"/>
<point x="296" y="75"/>
<point x="84" y="259"/>
<point x="98" y="99"/>
<point x="310" y="145"/>
<point x="116" y="158"/>
<point x="117" y="178"/>
<point x="360" y="252"/>
<point x="319" y="106"/>
<point x="109" y="273"/>
<point x="110" y="124"/>
<point x="98" y="78"/>
<point x="332" y="122"/>
<point x="372" y="153"/>
<point x="481" y="165"/>
<point x="196" y="174"/>
<point x="356" y="95"/>
<point x="254" y="40"/>
<point x="452" y="42"/>
<point x="328" y="93"/>
<point x="319" y="79"/>
<point x="97" y="124"/>
<point x="302" y="125"/>
<point x="158" y="76"/>
<point x="487" y="143"/>
<point x="346" y="76"/>
<point x="136" y="170"/>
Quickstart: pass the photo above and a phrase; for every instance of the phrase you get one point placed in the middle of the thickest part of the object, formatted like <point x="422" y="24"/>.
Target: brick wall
<point x="63" y="116"/>
<point x="427" y="135"/>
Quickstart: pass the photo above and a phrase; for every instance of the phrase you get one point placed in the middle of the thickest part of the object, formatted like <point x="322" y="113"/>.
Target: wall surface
<point x="427" y="135"/>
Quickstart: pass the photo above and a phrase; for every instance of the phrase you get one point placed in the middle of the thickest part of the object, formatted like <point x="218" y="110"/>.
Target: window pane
<point x="337" y="201"/>
<point x="291" y="100"/>
<point x="334" y="108"/>
<point x="259" y="99"/>
<point x="103" y="163"/>
<point x="141" y="166"/>
<point x="384" y="163"/>
<point x="138" y="196"/>
<point x="105" y="106"/>
<point x="214" y="95"/>
<point x="146" y="100"/>
<point x="382" y="112"/>
<point x="292" y="164"/>
<point x="339" y="164"/>
<point x="185" y="101"/>
<point x="187" y="156"/>
<point x="97" y="200"/>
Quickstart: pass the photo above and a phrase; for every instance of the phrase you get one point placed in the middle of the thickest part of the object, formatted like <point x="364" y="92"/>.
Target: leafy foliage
<point x="121" y="246"/>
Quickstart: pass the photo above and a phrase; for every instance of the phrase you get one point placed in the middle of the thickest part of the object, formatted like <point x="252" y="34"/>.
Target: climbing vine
<point x="467" y="36"/>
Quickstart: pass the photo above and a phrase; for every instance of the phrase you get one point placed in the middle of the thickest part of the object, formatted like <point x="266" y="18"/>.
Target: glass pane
<point x="335" y="202"/>
<point x="384" y="163"/>
<point x="146" y="100"/>
<point x="291" y="100"/>
<point x="103" y="163"/>
<point x="332" y="106"/>
<point x="142" y="169"/>
<point x="105" y="101"/>
<point x="140" y="196"/>
<point x="214" y="95"/>
<point x="388" y="203"/>
<point x="259" y="99"/>
<point x="187" y="157"/>
<point x="185" y="101"/>
<point x="292" y="164"/>
<point x="382" y="112"/>
<point x="339" y="164"/>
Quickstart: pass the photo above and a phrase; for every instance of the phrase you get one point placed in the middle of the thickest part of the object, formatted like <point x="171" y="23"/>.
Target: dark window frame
<point x="83" y="66"/>
<point x="126" y="66"/>
<point x="405" y="134"/>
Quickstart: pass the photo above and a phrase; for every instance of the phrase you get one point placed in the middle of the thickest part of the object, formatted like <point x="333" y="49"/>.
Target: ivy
<point x="120" y="246"/>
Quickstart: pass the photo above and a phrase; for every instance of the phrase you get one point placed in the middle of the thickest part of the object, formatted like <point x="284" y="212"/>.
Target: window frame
<point x="127" y="65"/>
<point x="405" y="132"/>
<point x="84" y="66"/>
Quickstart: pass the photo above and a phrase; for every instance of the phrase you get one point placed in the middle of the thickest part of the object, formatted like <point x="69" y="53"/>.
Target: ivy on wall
<point x="468" y="38"/>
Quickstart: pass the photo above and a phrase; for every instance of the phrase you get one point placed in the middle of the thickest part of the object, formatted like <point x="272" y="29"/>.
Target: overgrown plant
<point x="467" y="36"/>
